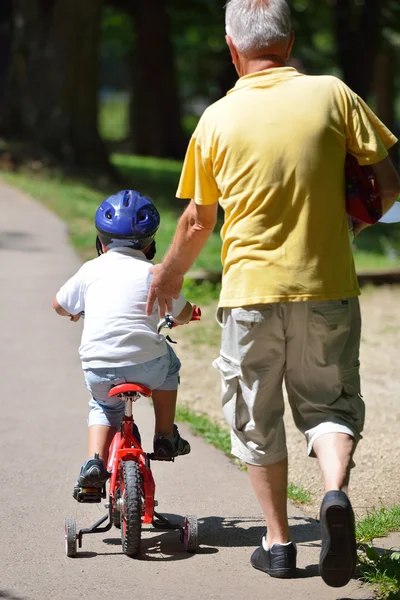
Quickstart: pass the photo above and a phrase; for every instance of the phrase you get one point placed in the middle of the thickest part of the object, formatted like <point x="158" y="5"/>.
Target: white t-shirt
<point x="112" y="290"/>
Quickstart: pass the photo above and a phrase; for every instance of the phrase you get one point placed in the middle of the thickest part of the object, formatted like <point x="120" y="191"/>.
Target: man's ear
<point x="233" y="51"/>
<point x="290" y="45"/>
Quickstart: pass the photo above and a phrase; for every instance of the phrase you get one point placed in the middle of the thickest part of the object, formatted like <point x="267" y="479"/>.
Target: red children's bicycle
<point x="131" y="491"/>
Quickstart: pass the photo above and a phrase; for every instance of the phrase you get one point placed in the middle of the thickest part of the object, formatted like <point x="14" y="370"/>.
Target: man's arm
<point x="193" y="230"/>
<point x="388" y="181"/>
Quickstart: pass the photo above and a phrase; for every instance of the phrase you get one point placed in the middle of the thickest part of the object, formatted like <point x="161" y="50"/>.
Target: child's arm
<point x="70" y="298"/>
<point x="185" y="315"/>
<point x="63" y="313"/>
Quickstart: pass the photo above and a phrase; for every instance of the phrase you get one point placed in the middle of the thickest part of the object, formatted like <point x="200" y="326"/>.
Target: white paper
<point x="392" y="215"/>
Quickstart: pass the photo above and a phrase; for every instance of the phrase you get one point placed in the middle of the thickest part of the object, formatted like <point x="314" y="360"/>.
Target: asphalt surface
<point x="43" y="444"/>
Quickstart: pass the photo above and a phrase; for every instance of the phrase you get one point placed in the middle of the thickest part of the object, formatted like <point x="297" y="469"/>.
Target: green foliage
<point x="382" y="571"/>
<point x="204" y="293"/>
<point x="298" y="494"/>
<point x="378" y="523"/>
<point x="117" y="44"/>
<point x="202" y="426"/>
<point x="114" y="117"/>
<point x="76" y="201"/>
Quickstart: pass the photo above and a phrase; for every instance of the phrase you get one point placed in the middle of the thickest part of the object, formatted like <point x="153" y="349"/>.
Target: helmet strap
<point x="99" y="246"/>
<point x="151" y="252"/>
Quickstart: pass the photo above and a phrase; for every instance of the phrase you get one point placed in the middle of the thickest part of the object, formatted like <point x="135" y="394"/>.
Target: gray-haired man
<point x="272" y="154"/>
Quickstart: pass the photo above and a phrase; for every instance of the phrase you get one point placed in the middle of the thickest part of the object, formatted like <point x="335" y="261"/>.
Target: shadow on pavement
<point x="7" y="595"/>
<point x="17" y="240"/>
<point x="214" y="532"/>
<point x="242" y="531"/>
<point x="308" y="530"/>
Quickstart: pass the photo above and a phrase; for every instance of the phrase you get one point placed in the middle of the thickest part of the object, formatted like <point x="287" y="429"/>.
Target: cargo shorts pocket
<point x="329" y="330"/>
<point x="251" y="316"/>
<point x="331" y="313"/>
<point x="353" y="405"/>
<point x="230" y="373"/>
<point x="351" y="380"/>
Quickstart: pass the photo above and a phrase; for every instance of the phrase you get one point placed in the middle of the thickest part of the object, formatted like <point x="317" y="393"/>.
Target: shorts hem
<point x="324" y="428"/>
<point x="260" y="461"/>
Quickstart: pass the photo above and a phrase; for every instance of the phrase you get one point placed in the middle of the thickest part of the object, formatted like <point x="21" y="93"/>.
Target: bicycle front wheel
<point x="131" y="507"/>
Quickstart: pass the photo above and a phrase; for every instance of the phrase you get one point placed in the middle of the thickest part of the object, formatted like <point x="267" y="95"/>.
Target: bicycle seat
<point x="128" y="389"/>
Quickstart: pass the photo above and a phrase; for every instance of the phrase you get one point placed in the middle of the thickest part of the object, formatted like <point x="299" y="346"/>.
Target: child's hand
<point x="75" y="318"/>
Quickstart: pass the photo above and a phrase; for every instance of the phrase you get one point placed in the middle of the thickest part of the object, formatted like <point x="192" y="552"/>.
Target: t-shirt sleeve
<point x="178" y="305"/>
<point x="367" y="138"/>
<point x="197" y="180"/>
<point x="71" y="296"/>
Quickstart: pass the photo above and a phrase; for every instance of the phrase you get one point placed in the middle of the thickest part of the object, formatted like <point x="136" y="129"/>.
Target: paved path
<point x="43" y="442"/>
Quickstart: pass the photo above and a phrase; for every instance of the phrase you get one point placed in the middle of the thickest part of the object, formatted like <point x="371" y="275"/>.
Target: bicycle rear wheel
<point x="131" y="507"/>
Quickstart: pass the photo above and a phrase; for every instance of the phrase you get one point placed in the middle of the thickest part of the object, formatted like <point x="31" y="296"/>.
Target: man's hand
<point x="165" y="286"/>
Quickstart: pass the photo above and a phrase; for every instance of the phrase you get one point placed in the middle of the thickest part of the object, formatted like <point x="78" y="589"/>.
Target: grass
<point x="76" y="201"/>
<point x="220" y="438"/>
<point x="380" y="569"/>
<point x="378" y="523"/>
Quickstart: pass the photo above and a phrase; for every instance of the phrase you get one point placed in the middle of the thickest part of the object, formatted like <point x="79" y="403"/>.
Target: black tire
<point x="131" y="513"/>
<point x="70" y="537"/>
<point x="116" y="514"/>
<point x="191" y="533"/>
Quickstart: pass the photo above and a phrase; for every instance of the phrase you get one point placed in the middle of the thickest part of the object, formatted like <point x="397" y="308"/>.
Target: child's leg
<point x="164" y="402"/>
<point x="167" y="441"/>
<point x="99" y="440"/>
<point x="105" y="413"/>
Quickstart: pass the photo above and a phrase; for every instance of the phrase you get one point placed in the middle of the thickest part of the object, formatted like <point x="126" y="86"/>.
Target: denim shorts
<point x="158" y="374"/>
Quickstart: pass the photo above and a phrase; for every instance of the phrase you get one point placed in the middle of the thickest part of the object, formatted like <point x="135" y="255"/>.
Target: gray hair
<point x="257" y="24"/>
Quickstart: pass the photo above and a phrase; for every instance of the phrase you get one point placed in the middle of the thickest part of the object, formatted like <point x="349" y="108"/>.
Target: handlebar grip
<point x="196" y="315"/>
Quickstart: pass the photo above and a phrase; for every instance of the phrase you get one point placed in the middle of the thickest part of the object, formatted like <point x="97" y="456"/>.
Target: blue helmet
<point x="127" y="219"/>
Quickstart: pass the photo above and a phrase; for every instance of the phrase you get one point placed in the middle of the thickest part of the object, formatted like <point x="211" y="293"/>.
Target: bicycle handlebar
<point x="168" y="320"/>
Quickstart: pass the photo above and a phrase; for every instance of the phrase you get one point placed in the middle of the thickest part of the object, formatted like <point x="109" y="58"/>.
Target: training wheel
<point x="190" y="533"/>
<point x="70" y="537"/>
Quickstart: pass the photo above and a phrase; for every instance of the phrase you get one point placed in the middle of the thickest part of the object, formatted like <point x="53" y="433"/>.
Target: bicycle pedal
<point x="161" y="458"/>
<point x="88" y="495"/>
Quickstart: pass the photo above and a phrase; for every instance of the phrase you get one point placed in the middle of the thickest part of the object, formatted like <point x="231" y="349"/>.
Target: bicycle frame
<point x="125" y="446"/>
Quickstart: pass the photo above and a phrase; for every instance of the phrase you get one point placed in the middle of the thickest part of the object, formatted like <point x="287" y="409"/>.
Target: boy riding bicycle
<point x="120" y="343"/>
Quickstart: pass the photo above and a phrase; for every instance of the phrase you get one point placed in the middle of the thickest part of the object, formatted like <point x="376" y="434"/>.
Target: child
<point x="119" y="342"/>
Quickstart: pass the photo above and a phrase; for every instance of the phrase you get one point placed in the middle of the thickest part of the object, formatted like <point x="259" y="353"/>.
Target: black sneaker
<point x="278" y="561"/>
<point x="338" y="558"/>
<point x="91" y="480"/>
<point x="168" y="448"/>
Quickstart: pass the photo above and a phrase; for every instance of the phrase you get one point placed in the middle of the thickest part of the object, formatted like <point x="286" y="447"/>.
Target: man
<point x="272" y="154"/>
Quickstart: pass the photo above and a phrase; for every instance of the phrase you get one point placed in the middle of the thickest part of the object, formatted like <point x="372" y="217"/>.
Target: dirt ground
<point x="375" y="480"/>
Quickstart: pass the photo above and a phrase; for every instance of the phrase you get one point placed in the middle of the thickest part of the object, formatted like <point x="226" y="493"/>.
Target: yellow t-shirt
<point x="272" y="154"/>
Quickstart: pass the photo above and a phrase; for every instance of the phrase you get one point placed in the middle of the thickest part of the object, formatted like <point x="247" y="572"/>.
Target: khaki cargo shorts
<point x="314" y="348"/>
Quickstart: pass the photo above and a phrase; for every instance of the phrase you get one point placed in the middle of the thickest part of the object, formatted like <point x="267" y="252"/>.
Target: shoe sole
<point x="279" y="574"/>
<point x="338" y="559"/>
<point x="87" y="482"/>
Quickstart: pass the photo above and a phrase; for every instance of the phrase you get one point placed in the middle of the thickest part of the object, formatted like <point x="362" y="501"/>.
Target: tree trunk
<point x="51" y="93"/>
<point x="385" y="90"/>
<point x="156" y="114"/>
<point x="5" y="42"/>
<point x="357" y="32"/>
